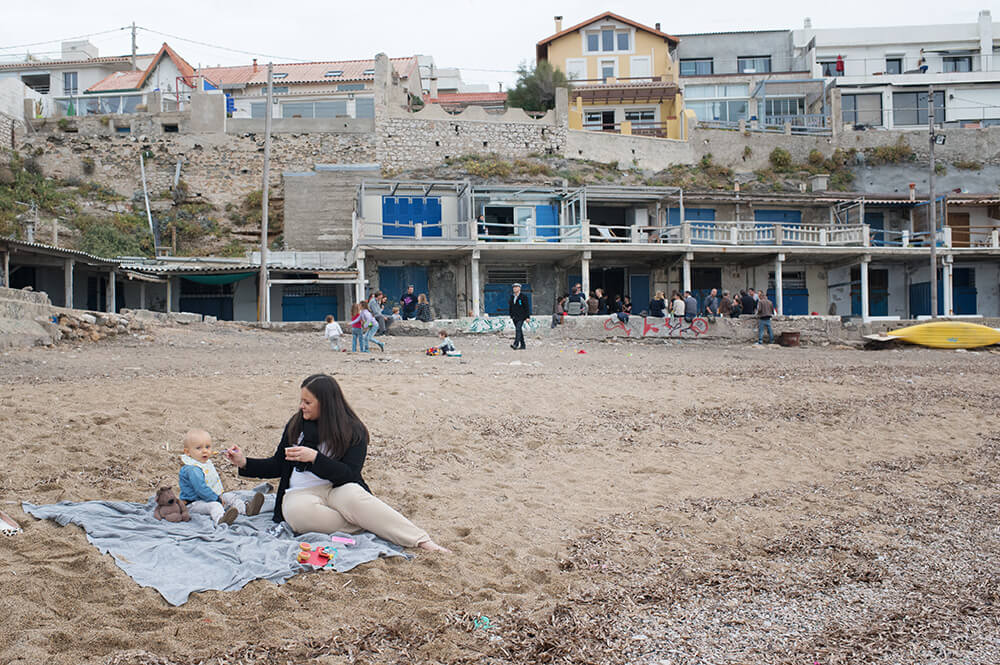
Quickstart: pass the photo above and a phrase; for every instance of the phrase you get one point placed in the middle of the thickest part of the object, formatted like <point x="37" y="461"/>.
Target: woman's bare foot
<point x="431" y="546"/>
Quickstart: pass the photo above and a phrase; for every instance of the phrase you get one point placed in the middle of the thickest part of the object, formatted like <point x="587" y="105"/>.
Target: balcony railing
<point x="726" y="233"/>
<point x="633" y="128"/>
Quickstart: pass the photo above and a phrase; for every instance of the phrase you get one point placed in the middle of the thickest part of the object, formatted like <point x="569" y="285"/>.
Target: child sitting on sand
<point x="333" y="332"/>
<point x="445" y="346"/>
<point x="201" y="487"/>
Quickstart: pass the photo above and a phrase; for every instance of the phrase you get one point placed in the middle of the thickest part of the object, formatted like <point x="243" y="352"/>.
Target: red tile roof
<point x="542" y="47"/>
<point x="303" y="72"/>
<point x="134" y="80"/>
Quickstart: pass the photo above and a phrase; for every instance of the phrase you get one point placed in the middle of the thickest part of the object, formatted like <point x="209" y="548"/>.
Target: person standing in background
<point x="520" y="311"/>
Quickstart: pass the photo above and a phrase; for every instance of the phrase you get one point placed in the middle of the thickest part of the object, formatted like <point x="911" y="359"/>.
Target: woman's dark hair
<point x="338" y="424"/>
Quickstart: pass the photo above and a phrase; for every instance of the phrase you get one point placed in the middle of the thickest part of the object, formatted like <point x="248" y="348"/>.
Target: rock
<point x="89" y="319"/>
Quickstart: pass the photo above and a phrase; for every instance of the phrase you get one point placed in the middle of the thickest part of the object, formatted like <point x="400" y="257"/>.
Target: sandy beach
<point x="642" y="503"/>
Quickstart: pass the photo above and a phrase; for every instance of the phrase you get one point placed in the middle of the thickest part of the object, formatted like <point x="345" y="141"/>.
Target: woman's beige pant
<point x="349" y="508"/>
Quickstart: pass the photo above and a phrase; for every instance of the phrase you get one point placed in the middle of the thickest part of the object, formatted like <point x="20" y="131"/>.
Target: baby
<point x="201" y="487"/>
<point x="333" y="333"/>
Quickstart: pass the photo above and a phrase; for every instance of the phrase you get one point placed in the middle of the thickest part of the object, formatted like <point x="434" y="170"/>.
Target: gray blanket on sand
<point x="180" y="558"/>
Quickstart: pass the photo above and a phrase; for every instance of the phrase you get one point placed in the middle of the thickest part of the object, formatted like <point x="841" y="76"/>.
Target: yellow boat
<point x="948" y="335"/>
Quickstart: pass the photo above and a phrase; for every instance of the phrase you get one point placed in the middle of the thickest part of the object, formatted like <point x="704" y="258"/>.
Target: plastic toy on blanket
<point x="320" y="557"/>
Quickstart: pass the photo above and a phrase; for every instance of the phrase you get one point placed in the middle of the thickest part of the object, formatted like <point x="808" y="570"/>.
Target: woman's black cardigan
<point x="339" y="472"/>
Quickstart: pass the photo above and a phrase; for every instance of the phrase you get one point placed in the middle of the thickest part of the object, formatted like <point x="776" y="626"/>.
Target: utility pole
<point x="933" y="204"/>
<point x="263" y="313"/>
<point x="133" y="47"/>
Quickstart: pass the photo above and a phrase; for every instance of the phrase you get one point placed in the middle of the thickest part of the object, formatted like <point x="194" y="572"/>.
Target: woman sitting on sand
<point x="319" y="461"/>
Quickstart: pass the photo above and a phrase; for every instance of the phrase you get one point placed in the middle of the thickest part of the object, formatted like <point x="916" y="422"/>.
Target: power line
<point x="221" y="48"/>
<point x="66" y="39"/>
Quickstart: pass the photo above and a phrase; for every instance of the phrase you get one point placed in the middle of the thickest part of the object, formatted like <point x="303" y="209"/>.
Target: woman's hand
<point x="236" y="456"/>
<point x="300" y="454"/>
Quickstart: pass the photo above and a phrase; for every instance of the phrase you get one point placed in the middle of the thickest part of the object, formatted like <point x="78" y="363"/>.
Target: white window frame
<point x="570" y="62"/>
<point x="616" y="29"/>
<point x="648" y="60"/>
<point x="600" y="67"/>
<point x="75" y="90"/>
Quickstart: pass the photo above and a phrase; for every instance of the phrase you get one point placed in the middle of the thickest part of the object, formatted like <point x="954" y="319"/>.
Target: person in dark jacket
<point x="319" y="461"/>
<point x="520" y="311"/>
<point x="657" y="305"/>
<point x="748" y="304"/>
<point x="408" y="301"/>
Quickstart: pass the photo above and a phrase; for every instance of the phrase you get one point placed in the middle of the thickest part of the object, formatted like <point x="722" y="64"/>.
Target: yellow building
<point x="622" y="74"/>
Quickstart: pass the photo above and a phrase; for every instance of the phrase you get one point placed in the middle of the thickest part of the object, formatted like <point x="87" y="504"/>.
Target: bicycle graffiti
<point x="499" y="324"/>
<point x="650" y="326"/>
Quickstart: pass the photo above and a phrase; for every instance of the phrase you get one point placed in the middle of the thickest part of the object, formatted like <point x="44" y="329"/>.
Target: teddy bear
<point x="169" y="507"/>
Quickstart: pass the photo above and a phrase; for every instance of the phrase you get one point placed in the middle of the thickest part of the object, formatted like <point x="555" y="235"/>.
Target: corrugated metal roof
<point x="57" y="251"/>
<point x="304" y="72"/>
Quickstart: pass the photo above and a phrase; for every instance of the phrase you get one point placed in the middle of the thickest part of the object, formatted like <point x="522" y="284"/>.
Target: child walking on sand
<point x="333" y="333"/>
<point x="201" y="487"/>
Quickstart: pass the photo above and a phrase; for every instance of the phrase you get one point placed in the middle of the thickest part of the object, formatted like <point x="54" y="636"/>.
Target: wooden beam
<point x="68" y="283"/>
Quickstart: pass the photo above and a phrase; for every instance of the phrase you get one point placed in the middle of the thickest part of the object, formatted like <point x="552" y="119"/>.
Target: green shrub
<point x="897" y="153"/>
<point x="967" y="165"/>
<point x="87" y="164"/>
<point x="747" y="152"/>
<point x="940" y="168"/>
<point x="121" y="235"/>
<point x="815" y="157"/>
<point x="781" y="159"/>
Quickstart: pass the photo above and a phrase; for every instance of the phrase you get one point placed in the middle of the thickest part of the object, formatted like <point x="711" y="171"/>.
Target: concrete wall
<point x="726" y="48"/>
<point x="640" y="151"/>
<point x="302" y="125"/>
<point x="319" y="207"/>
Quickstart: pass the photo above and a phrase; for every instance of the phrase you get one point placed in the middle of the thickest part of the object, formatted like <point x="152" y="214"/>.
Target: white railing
<point x="731" y="233"/>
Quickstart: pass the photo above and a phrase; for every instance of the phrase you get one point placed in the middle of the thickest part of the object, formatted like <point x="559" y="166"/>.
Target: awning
<point x="621" y="93"/>
<point x="219" y="279"/>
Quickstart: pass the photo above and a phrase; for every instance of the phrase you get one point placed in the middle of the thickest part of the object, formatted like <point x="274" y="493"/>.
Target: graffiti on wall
<point x="652" y="326"/>
<point x="486" y="324"/>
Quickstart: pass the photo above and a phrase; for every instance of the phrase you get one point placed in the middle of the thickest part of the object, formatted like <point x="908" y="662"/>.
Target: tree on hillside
<point x="536" y="87"/>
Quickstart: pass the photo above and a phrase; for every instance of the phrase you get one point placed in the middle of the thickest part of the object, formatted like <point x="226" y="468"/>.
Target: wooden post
<point x="6" y="270"/>
<point x="68" y="283"/>
<point x="170" y="294"/>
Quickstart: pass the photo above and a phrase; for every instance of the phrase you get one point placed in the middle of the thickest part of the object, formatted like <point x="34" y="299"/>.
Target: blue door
<point x="638" y="291"/>
<point x="393" y="281"/>
<point x="496" y="298"/>
<point x="878" y="292"/>
<point x="794" y="302"/>
<point x="964" y="290"/>
<point x="963" y="293"/>
<point x="307" y="307"/>
<point x="876" y="223"/>
<point x="547" y="222"/>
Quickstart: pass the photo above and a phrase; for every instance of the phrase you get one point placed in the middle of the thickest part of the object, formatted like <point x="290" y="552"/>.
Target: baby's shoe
<point x="229" y="516"/>
<point x="254" y="504"/>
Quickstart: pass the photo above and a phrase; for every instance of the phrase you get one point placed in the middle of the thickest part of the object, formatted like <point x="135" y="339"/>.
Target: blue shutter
<point x="547" y="222"/>
<point x="432" y="217"/>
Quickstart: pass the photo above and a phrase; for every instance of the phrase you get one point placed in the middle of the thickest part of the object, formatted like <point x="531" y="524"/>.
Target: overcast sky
<point x="486" y="39"/>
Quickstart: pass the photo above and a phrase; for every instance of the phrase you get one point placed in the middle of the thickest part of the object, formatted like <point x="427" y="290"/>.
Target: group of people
<point x="368" y="319"/>
<point x="318" y="461"/>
